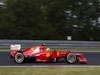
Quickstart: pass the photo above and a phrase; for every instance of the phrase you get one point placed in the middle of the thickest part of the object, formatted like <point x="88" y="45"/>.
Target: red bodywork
<point x="42" y="54"/>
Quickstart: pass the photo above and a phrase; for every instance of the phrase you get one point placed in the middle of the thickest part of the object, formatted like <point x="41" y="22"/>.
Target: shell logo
<point x="58" y="53"/>
<point x="47" y="54"/>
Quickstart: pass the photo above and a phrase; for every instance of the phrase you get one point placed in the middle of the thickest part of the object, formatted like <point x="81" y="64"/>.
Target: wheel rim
<point x="71" y="58"/>
<point x="19" y="58"/>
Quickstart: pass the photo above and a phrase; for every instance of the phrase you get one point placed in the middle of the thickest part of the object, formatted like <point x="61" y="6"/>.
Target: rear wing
<point x="15" y="47"/>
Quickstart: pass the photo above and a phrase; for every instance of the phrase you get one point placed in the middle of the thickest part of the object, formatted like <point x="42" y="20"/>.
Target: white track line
<point x="57" y="66"/>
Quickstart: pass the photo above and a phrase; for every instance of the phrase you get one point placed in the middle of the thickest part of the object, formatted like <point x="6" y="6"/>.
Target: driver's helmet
<point x="48" y="49"/>
<point x="43" y="44"/>
<point x="44" y="47"/>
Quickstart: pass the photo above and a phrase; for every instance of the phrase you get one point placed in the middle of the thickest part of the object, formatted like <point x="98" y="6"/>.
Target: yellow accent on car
<point x="32" y="49"/>
<point x="47" y="54"/>
<point x="58" y="53"/>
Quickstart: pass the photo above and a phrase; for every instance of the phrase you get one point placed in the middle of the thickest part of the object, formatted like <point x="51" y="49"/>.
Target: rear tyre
<point x="71" y="58"/>
<point x="19" y="58"/>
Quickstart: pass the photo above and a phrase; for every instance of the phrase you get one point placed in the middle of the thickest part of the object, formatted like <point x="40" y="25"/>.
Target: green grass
<point x="69" y="49"/>
<point x="81" y="49"/>
<point x="49" y="70"/>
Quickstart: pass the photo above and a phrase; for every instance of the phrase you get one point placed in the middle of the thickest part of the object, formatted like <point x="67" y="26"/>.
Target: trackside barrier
<point x="51" y="43"/>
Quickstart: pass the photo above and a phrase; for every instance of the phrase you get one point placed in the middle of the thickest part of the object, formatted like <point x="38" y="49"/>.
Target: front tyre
<point x="71" y="58"/>
<point x="19" y="58"/>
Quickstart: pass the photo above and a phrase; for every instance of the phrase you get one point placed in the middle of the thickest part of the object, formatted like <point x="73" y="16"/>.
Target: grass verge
<point x="69" y="49"/>
<point x="49" y="70"/>
<point x="81" y="49"/>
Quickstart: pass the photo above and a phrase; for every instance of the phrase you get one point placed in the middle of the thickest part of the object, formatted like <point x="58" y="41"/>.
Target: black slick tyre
<point x="71" y="58"/>
<point x="19" y="58"/>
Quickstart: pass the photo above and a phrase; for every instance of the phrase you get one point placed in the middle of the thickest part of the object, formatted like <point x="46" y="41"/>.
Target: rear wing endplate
<point x="15" y="47"/>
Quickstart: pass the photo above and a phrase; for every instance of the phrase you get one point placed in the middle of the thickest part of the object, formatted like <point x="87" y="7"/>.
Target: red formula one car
<point x="43" y="54"/>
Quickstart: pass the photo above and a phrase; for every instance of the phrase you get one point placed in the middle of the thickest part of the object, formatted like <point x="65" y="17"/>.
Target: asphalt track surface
<point x="93" y="59"/>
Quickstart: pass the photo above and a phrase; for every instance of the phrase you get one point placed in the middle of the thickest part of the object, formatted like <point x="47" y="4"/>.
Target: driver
<point x="44" y="47"/>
